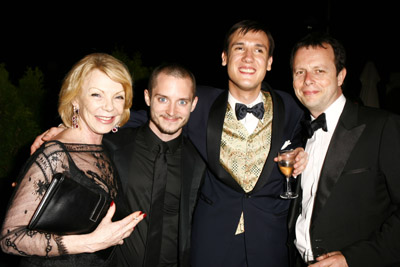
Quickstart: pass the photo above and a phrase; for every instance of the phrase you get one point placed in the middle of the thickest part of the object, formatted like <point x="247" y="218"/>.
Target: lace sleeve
<point x="15" y="237"/>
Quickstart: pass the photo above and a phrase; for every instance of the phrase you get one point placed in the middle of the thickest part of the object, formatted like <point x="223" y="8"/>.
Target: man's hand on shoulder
<point x="46" y="136"/>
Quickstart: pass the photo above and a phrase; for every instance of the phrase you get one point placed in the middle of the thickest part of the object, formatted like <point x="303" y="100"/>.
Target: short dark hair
<point x="171" y="69"/>
<point x="321" y="39"/>
<point x="246" y="26"/>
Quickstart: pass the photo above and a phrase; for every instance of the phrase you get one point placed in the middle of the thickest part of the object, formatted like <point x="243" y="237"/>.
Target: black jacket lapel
<point x="214" y="133"/>
<point x="343" y="141"/>
<point x="276" y="136"/>
<point x="193" y="168"/>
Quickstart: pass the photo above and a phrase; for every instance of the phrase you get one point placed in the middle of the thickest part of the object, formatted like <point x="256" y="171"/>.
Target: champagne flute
<point x="286" y="161"/>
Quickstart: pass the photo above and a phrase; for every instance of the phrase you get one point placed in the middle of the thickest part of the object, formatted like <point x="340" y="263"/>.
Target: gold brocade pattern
<point x="243" y="155"/>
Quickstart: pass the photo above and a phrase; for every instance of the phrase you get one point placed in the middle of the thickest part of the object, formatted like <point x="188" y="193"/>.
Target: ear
<point x="341" y="76"/>
<point x="194" y="103"/>
<point x="224" y="57"/>
<point x="75" y="103"/>
<point x="147" y="97"/>
<point x="269" y="63"/>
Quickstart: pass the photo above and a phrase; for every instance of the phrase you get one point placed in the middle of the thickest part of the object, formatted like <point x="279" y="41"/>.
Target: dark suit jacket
<point x="121" y="147"/>
<point x="222" y="200"/>
<point x="356" y="208"/>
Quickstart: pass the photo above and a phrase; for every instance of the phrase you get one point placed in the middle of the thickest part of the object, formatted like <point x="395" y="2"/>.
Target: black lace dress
<point x="46" y="249"/>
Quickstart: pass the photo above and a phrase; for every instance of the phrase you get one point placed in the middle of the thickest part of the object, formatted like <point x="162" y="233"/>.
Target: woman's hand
<point x="107" y="233"/>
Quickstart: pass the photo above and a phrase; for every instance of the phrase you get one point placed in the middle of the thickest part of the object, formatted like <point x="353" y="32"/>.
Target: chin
<point x="169" y="131"/>
<point x="104" y="131"/>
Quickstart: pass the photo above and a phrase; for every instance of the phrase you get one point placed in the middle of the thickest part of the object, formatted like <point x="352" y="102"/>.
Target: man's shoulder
<point x="188" y="144"/>
<point x="375" y="115"/>
<point x="206" y="97"/>
<point x="123" y="137"/>
<point x="288" y="100"/>
<point x="207" y="91"/>
<point x="283" y="94"/>
<point x="191" y="152"/>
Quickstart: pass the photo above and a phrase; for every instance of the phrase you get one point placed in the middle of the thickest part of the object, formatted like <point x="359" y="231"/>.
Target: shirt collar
<point x="152" y="141"/>
<point x="333" y="112"/>
<point x="232" y="101"/>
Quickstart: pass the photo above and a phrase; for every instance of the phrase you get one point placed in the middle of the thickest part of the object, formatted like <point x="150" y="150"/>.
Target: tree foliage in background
<point x="139" y="73"/>
<point x="20" y="109"/>
<point x="32" y="93"/>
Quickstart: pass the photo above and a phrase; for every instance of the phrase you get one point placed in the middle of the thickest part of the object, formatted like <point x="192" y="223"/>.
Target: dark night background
<point x="193" y="35"/>
<point x="53" y="38"/>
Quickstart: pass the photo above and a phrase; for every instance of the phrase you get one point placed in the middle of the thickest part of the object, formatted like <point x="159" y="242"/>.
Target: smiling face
<point x="315" y="79"/>
<point x="100" y="103"/>
<point x="171" y="102"/>
<point x="247" y="60"/>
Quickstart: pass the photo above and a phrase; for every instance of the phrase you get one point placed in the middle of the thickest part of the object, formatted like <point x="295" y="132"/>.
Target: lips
<point x="247" y="70"/>
<point x="106" y="120"/>
<point x="170" y="119"/>
<point x="310" y="93"/>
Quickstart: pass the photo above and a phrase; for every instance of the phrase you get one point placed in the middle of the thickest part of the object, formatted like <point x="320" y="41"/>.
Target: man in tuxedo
<point x="349" y="213"/>
<point x="240" y="219"/>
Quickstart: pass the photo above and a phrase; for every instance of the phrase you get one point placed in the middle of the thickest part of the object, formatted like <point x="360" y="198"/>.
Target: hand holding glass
<point x="286" y="161"/>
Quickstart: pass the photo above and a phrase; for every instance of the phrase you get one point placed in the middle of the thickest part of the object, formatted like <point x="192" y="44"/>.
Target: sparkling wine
<point x="286" y="167"/>
<point x="286" y="161"/>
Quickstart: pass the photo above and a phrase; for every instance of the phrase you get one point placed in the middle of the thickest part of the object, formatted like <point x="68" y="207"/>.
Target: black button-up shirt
<point x="138" y="193"/>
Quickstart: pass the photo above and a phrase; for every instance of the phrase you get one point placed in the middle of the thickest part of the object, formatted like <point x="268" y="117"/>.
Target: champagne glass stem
<point x="288" y="186"/>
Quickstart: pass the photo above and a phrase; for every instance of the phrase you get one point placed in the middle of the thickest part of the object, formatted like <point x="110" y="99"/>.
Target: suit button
<point x="247" y="195"/>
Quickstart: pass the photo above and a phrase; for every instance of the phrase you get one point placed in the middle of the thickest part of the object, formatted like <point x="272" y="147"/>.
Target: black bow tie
<point x="242" y="110"/>
<point x="314" y="125"/>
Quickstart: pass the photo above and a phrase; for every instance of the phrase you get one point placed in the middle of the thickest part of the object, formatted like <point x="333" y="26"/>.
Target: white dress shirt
<point x="250" y="122"/>
<point x="316" y="148"/>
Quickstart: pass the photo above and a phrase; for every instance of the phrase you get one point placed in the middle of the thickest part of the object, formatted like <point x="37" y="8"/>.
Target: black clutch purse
<point x="69" y="207"/>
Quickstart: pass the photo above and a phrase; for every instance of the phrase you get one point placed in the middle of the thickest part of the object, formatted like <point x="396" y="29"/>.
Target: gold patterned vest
<point x="243" y="155"/>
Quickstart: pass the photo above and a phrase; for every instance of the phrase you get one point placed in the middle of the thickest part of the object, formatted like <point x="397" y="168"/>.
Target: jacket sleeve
<point x="136" y="119"/>
<point x="383" y="246"/>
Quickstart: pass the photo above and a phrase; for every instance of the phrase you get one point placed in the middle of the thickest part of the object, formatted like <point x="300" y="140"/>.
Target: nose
<point x="248" y="56"/>
<point x="170" y="109"/>
<point x="108" y="105"/>
<point x="308" y="79"/>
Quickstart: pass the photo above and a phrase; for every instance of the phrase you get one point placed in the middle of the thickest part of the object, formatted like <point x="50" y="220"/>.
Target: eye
<point x="183" y="102"/>
<point x="238" y="48"/>
<point x="298" y="73"/>
<point x="121" y="97"/>
<point x="95" y="95"/>
<point x="162" y="99"/>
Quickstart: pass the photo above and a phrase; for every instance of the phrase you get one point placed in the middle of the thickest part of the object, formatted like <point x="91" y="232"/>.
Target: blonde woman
<point x="95" y="99"/>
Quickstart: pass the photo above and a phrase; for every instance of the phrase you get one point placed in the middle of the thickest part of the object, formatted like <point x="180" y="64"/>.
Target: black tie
<point x="242" y="110"/>
<point x="314" y="125"/>
<point x="154" y="234"/>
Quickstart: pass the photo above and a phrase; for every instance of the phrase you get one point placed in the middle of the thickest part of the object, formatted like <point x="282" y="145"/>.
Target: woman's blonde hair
<point x="72" y="85"/>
